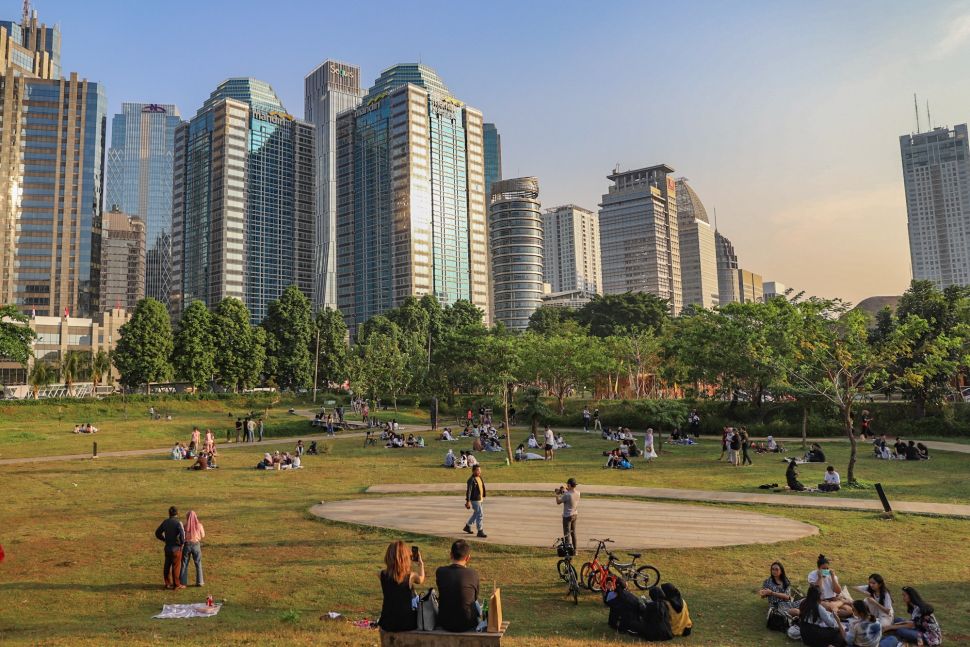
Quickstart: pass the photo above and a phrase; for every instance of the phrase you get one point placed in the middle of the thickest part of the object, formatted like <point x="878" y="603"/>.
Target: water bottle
<point x="208" y="601"/>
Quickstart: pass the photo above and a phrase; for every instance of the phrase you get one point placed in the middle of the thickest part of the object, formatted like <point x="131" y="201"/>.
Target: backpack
<point x="778" y="621"/>
<point x="428" y="611"/>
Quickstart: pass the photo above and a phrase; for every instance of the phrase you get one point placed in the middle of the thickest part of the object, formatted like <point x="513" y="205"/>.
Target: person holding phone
<point x="568" y="497"/>
<point x="831" y="595"/>
<point x="399" y="611"/>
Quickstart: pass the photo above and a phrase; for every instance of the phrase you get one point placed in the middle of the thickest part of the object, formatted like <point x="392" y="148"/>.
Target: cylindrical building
<point x="515" y="237"/>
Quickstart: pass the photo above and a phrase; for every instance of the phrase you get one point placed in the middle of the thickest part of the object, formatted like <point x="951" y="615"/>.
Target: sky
<point x="785" y="116"/>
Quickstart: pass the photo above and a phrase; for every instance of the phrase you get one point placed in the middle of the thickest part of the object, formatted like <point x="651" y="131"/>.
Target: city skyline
<point x="792" y="136"/>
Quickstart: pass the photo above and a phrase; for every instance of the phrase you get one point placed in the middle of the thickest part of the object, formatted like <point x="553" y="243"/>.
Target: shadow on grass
<point x="91" y="588"/>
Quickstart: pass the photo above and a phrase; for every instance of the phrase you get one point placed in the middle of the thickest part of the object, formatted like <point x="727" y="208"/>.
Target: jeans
<point x="905" y="634"/>
<point x="478" y="516"/>
<point x="569" y="529"/>
<point x="193" y="550"/>
<point x="250" y="436"/>
<point x="585" y="424"/>
<point x="261" y="432"/>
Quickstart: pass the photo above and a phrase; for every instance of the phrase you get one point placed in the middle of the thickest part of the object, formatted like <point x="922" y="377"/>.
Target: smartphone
<point x="414" y="553"/>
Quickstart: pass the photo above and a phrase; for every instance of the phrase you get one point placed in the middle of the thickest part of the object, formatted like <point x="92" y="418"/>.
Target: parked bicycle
<point x="567" y="572"/>
<point x="643" y="576"/>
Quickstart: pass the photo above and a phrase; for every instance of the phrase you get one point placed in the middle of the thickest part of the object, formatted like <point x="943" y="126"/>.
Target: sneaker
<point x="467" y="529"/>
<point x="481" y="534"/>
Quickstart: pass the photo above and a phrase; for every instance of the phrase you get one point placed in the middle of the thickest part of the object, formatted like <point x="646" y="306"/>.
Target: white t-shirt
<point x="825" y="584"/>
<point x="826" y="618"/>
<point x="550" y="437"/>
<point x="832" y="478"/>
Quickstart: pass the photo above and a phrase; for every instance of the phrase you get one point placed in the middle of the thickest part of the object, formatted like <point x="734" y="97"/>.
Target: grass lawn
<point x="83" y="567"/>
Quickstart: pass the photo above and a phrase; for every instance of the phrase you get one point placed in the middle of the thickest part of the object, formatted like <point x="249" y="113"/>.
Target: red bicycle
<point x="593" y="575"/>
<point x="643" y="577"/>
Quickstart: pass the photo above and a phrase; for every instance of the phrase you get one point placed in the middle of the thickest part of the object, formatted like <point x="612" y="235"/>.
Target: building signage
<point x="339" y="72"/>
<point x="273" y="116"/>
<point x="154" y="107"/>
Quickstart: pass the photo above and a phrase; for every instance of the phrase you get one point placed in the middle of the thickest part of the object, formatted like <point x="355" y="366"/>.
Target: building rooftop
<point x="413" y="73"/>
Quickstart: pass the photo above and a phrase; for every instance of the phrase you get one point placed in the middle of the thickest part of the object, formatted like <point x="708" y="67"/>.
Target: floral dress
<point x="928" y="628"/>
<point x="777" y="603"/>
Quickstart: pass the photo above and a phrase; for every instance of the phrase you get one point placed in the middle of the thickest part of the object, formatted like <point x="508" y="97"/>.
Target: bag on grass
<point x="428" y="611"/>
<point x="778" y="621"/>
<point x="795" y="632"/>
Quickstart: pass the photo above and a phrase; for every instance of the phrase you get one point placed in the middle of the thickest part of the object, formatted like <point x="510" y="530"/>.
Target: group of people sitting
<point x="901" y="450"/>
<point x="661" y="616"/>
<point x="85" y="429"/>
<point x="487" y="442"/>
<point x="827" y="615"/>
<point x="769" y="446"/>
<point x="394" y="440"/>
<point x="278" y="461"/>
<point x="814" y="454"/>
<point x="678" y="437"/>
<point x="832" y="482"/>
<point x="616" y="459"/>
<point x="558" y="442"/>
<point x="463" y="460"/>
<point x="204" y="461"/>
<point x="522" y="455"/>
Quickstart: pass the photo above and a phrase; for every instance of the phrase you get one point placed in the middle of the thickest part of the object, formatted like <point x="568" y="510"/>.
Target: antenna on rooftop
<point x="916" y="107"/>
<point x="26" y="18"/>
<point x="715" y="218"/>
<point x="929" y="118"/>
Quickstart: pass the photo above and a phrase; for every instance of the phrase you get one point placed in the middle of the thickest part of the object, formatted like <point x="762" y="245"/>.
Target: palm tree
<point x="100" y="368"/>
<point x="533" y="407"/>
<point x="42" y="374"/>
<point x="73" y="367"/>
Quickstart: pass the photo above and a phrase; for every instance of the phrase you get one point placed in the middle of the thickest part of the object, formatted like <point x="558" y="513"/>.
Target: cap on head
<point x="571" y="482"/>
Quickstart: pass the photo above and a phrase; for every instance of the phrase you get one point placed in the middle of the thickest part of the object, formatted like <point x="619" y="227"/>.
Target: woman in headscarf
<point x="791" y="476"/>
<point x="680" y="622"/>
<point x="194" y="534"/>
<point x="656" y="617"/>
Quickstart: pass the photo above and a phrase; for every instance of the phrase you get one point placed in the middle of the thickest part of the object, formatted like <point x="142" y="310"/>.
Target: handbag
<point x="428" y="611"/>
<point x="778" y="621"/>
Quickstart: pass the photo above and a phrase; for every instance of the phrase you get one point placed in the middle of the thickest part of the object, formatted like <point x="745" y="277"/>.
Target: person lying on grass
<point x="522" y="455"/>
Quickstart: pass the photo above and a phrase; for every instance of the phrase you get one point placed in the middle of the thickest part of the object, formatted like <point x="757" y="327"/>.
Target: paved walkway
<point x="536" y="521"/>
<point x="708" y="496"/>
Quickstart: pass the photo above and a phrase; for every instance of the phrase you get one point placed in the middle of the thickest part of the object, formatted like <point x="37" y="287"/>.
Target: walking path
<point x="708" y="496"/>
<point x="536" y="521"/>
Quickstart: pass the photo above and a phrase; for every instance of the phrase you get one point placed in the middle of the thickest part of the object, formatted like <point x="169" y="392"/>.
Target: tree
<point x="240" y="348"/>
<point x="560" y="363"/>
<point x="533" y="407"/>
<point x="289" y="335"/>
<point x="548" y="320"/>
<point x="613" y="314"/>
<point x="836" y="362"/>
<point x="332" y="358"/>
<point x="75" y="366"/>
<point x="42" y="374"/>
<point x="100" y="367"/>
<point x="499" y="365"/>
<point x="379" y="367"/>
<point x="195" y="353"/>
<point x="16" y="337"/>
<point x="145" y="345"/>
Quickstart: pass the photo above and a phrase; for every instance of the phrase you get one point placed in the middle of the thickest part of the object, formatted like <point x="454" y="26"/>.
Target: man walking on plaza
<point x="173" y="534"/>
<point x="568" y="498"/>
<point x="474" y="499"/>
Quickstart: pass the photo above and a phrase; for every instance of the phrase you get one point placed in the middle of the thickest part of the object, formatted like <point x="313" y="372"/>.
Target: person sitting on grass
<point x="899" y="449"/>
<point x="791" y="476"/>
<point x="624" y="464"/>
<point x="561" y="442"/>
<point x="292" y="462"/>
<point x="266" y="463"/>
<point x="833" y="482"/>
<point x="446" y="434"/>
<point x="922" y="627"/>
<point x="924" y="452"/>
<point x="777" y="590"/>
<point x="612" y="458"/>
<point x="492" y="444"/>
<point x="449" y="459"/>
<point x="477" y="445"/>
<point x="655" y="616"/>
<point x="201" y="462"/>
<point x="815" y="454"/>
<point x="177" y="453"/>
<point x="878" y="600"/>
<point x="522" y="455"/>
<point x="680" y="622"/>
<point x="299" y="448"/>
<point x="881" y="451"/>
<point x="912" y="454"/>
<point x="313" y="448"/>
<point x="833" y="597"/>
<point x="863" y="630"/>
<point x="533" y="442"/>
<point x="819" y="626"/>
<point x="624" y="607"/>
<point x="470" y="459"/>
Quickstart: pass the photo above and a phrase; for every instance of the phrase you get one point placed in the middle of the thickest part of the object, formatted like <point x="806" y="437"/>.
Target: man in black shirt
<point x="173" y="534"/>
<point x="458" y="591"/>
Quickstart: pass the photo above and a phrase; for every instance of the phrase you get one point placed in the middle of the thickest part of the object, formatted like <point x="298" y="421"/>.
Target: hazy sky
<point x="785" y="116"/>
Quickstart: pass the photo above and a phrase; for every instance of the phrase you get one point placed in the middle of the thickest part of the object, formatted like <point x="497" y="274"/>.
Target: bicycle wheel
<point x="645" y="577"/>
<point x="564" y="567"/>
<point x="593" y="583"/>
<point x="574" y="586"/>
<point x="584" y="572"/>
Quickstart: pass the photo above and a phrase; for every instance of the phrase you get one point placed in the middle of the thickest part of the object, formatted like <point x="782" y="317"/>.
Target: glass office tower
<point x="493" y="156"/>
<point x="411" y="212"/>
<point x="243" y="200"/>
<point x="139" y="182"/>
<point x="516" y="243"/>
<point x="51" y="163"/>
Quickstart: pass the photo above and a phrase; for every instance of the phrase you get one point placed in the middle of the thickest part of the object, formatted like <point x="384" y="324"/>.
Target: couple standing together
<point x="181" y="544"/>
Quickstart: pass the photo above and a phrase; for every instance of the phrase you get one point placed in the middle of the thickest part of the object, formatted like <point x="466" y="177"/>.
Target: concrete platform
<point x="536" y="521"/>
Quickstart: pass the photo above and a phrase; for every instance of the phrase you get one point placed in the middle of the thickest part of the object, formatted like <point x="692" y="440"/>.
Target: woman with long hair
<point x="819" y="626"/>
<point x="397" y="584"/>
<point x="922" y="625"/>
<point x="878" y="600"/>
<point x="777" y="590"/>
<point x="192" y="548"/>
<point x="791" y="476"/>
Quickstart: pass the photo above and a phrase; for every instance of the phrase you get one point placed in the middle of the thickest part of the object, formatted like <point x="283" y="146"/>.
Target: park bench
<point x="443" y="638"/>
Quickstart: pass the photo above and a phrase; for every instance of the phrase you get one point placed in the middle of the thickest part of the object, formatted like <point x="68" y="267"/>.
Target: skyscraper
<point x="122" y="260"/>
<point x="571" y="241"/>
<point x="515" y="239"/>
<point x="750" y="287"/>
<point x="493" y="156"/>
<point x="773" y="289"/>
<point x="639" y="241"/>
<point x="139" y="182"/>
<point x="243" y="200"/>
<point x="51" y="171"/>
<point x="936" y="174"/>
<point x="698" y="257"/>
<point x="728" y="286"/>
<point x="330" y="89"/>
<point x="411" y="212"/>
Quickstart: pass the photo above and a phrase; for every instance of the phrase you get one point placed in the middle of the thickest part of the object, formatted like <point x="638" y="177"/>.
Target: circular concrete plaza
<point x="536" y="521"/>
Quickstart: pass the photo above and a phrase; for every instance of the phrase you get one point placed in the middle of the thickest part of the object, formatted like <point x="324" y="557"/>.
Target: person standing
<point x="550" y="444"/>
<point x="568" y="498"/>
<point x="330" y="424"/>
<point x="695" y="423"/>
<point x="261" y="430"/>
<point x="745" y="444"/>
<point x="210" y="441"/>
<point x="250" y="431"/>
<point x="194" y="534"/>
<point x="597" y="425"/>
<point x="239" y="427"/>
<point x="587" y="416"/>
<point x="474" y="500"/>
<point x="173" y="534"/>
<point x="648" y="449"/>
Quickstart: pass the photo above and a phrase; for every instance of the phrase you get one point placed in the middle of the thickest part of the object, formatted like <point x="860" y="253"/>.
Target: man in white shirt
<point x="550" y="445"/>
<point x="833" y="482"/>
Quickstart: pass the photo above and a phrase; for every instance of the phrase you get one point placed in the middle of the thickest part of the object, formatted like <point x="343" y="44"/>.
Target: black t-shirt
<point x="396" y="611"/>
<point x="457" y="594"/>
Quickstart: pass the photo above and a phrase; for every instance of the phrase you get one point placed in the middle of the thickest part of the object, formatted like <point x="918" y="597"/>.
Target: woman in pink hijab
<point x="194" y="534"/>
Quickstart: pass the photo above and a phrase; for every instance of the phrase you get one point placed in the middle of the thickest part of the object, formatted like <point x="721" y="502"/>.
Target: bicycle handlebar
<point x="602" y="541"/>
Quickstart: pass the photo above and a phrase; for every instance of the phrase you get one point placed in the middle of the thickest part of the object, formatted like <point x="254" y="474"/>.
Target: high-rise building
<point x="138" y="180"/>
<point x="242" y="200"/>
<point x="493" y="156"/>
<point x="515" y="240"/>
<point x="728" y="286"/>
<point x="330" y="89"/>
<point x="773" y="289"/>
<point x="698" y="257"/>
<point x="51" y="170"/>
<point x="936" y="174"/>
<point x="639" y="241"/>
<point x="122" y="260"/>
<point x="571" y="240"/>
<point x="750" y="287"/>
<point x="411" y="211"/>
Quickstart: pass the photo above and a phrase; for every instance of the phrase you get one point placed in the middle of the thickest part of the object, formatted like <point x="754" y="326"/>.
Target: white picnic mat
<point x="188" y="611"/>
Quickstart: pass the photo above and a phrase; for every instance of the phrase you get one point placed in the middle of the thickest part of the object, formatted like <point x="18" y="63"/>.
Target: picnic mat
<point x="188" y="611"/>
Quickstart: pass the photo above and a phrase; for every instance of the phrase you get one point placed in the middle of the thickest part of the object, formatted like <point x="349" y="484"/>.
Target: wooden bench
<point x="443" y="638"/>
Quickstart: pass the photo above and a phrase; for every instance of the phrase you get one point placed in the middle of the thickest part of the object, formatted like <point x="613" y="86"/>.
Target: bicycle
<point x="567" y="572"/>
<point x="590" y="568"/>
<point x="643" y="577"/>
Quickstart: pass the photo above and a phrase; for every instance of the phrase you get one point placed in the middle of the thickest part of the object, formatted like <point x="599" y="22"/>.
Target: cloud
<point x="957" y="34"/>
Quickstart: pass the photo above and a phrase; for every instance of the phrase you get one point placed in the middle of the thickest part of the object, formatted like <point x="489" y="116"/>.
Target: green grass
<point x="83" y="566"/>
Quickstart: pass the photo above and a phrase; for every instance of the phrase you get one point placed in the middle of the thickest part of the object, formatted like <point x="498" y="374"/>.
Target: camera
<point x="560" y="490"/>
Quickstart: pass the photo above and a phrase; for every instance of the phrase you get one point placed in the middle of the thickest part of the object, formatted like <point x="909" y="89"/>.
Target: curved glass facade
<point x="516" y="240"/>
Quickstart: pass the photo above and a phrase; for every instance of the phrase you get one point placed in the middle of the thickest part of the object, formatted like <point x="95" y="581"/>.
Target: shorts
<point x="548" y="447"/>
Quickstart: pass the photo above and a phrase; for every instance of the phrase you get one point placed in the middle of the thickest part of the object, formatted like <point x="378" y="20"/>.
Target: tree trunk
<point x="804" y="427"/>
<point x="920" y="403"/>
<point x="561" y="396"/>
<point x="847" y="421"/>
<point x="535" y="421"/>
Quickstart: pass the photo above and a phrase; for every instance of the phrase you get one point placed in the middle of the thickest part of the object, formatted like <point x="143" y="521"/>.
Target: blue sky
<point x="784" y="115"/>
